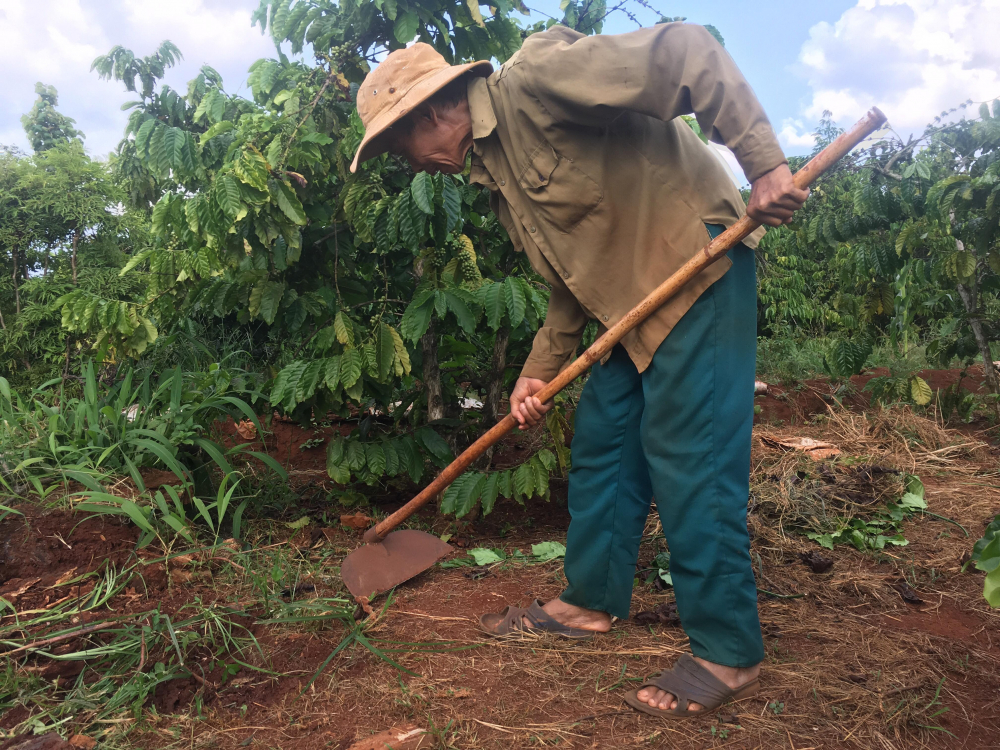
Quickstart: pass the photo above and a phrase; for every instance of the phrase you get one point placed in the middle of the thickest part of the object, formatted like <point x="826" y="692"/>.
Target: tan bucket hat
<point x="404" y="80"/>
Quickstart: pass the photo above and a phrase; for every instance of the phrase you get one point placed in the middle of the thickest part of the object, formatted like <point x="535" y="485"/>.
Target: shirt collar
<point x="484" y="119"/>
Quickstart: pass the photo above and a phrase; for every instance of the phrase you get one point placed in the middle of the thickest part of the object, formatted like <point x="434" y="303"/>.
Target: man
<point x="595" y="176"/>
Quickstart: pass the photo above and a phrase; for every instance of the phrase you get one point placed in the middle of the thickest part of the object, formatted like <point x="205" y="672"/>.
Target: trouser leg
<point x="609" y="490"/>
<point x="696" y="432"/>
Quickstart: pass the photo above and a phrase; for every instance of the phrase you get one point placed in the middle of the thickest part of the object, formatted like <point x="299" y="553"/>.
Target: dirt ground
<point x="850" y="662"/>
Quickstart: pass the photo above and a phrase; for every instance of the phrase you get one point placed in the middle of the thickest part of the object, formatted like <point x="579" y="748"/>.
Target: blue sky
<point x="913" y="58"/>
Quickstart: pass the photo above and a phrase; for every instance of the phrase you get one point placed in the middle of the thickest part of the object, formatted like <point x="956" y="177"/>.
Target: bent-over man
<point x="595" y="176"/>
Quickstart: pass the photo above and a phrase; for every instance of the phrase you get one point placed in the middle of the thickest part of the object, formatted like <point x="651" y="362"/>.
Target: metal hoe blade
<point x="376" y="568"/>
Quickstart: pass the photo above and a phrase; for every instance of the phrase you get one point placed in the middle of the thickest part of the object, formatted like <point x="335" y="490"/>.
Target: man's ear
<point x="430" y="114"/>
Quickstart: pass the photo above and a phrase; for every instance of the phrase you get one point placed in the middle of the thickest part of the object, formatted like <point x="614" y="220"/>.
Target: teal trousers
<point x="680" y="432"/>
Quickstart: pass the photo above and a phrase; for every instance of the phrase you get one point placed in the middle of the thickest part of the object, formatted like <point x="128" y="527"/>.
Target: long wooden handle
<point x="708" y="255"/>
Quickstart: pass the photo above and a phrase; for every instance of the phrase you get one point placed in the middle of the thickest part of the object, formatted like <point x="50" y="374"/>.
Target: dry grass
<point x="849" y="663"/>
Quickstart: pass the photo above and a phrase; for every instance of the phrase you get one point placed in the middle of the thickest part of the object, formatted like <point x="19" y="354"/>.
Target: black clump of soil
<point x="665" y="614"/>
<point x="815" y="561"/>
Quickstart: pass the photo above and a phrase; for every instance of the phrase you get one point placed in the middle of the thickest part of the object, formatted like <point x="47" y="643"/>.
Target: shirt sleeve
<point x="664" y="71"/>
<point x="557" y="340"/>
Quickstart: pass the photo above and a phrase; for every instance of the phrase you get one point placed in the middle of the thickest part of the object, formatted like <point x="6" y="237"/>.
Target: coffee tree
<point x="392" y="296"/>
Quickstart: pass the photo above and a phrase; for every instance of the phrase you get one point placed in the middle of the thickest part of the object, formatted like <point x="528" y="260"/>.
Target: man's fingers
<point x="515" y="409"/>
<point x="788" y="201"/>
<point x="531" y="406"/>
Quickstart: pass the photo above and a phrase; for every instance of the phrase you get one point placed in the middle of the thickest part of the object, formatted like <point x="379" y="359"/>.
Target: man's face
<point x="438" y="141"/>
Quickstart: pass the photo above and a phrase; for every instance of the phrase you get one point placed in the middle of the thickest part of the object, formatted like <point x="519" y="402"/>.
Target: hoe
<point x="387" y="560"/>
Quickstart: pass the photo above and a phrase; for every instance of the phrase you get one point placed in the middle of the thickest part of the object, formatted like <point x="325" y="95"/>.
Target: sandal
<point x="689" y="682"/>
<point x="511" y="622"/>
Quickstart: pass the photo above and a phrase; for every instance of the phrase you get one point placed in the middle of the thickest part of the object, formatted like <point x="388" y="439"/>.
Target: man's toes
<point x="666" y="701"/>
<point x="694" y="706"/>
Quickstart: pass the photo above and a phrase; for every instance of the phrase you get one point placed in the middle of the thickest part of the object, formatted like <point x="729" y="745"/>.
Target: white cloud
<point x="911" y="58"/>
<point x="54" y="41"/>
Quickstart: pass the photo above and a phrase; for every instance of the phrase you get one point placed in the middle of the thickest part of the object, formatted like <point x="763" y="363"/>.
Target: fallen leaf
<point x="406" y="737"/>
<point x="485" y="556"/>
<point x="817" y="450"/>
<point x="17" y="586"/>
<point x="83" y="742"/>
<point x="545" y="551"/>
<point x="356" y="521"/>
<point x="246" y="430"/>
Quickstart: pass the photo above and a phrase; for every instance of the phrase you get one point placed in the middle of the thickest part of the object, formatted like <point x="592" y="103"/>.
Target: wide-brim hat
<point x="403" y="81"/>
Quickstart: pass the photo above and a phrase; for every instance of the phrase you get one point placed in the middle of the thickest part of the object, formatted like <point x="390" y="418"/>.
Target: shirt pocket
<point x="562" y="193"/>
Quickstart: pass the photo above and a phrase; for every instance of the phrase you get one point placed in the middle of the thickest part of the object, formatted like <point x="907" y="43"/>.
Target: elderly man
<point x="595" y="176"/>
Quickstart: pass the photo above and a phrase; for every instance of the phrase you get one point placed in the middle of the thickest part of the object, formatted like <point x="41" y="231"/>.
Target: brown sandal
<point x="511" y="622"/>
<point x="689" y="682"/>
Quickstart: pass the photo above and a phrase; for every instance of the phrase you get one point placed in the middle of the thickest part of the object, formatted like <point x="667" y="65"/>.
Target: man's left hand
<point x="774" y="197"/>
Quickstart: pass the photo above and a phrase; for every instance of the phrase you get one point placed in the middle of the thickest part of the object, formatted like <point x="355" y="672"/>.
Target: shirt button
<point x="502" y="183"/>
<point x="565" y="274"/>
<point x="532" y="228"/>
<point x="605" y="317"/>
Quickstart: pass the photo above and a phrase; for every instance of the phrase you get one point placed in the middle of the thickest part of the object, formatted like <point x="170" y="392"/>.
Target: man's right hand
<point x="528" y="410"/>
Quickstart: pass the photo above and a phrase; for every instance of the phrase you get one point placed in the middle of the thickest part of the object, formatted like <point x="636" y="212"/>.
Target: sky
<point x="912" y="58"/>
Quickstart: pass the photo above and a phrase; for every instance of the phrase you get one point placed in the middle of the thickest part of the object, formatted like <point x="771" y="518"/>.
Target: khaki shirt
<point x="597" y="181"/>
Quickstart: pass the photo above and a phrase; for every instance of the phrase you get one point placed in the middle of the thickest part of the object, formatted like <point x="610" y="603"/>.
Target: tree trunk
<point x="2" y="324"/>
<point x="971" y="303"/>
<point x="494" y="391"/>
<point x="491" y="412"/>
<point x="17" y="292"/>
<point x="432" y="375"/>
<point x="76" y="241"/>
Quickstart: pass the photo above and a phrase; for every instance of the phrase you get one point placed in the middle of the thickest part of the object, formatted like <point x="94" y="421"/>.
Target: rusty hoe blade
<point x="377" y="568"/>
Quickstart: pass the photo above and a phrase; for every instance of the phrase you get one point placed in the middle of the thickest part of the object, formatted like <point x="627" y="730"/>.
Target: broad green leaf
<point x="422" y="189"/>
<point x="289" y="203"/>
<point x="375" y="459"/>
<point x="433" y="443"/>
<point x="386" y="353"/>
<point x="217" y="129"/>
<point x="406" y="26"/>
<point x="494" y="303"/>
<point x="514" y="296"/>
<point x="489" y="494"/>
<point x="416" y="319"/>
<point x="300" y="523"/>
<point x="452" y="200"/>
<point x="463" y="315"/>
<point x="350" y="367"/>
<point x="331" y="375"/>
<point x="228" y="195"/>
<point x="392" y="464"/>
<point x="270" y="298"/>
<point x="344" y="329"/>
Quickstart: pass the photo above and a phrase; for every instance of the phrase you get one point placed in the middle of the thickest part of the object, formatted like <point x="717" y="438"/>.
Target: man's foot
<point x="733" y="677"/>
<point x="578" y="617"/>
